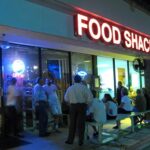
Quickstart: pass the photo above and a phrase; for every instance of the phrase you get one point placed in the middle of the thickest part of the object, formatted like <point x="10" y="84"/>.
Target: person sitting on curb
<point x="97" y="111"/>
<point x="111" y="107"/>
<point x="126" y="105"/>
<point x="139" y="105"/>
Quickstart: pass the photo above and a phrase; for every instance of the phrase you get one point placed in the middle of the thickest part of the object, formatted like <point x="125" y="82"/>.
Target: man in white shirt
<point x="97" y="108"/>
<point x="11" y="112"/>
<point x="78" y="95"/>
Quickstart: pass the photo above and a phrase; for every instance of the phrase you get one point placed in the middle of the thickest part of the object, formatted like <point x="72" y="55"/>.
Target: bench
<point x="110" y="136"/>
<point x="140" y="115"/>
<point x="119" y="118"/>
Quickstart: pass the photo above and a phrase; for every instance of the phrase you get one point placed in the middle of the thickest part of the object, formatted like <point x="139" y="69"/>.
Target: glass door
<point x="55" y="65"/>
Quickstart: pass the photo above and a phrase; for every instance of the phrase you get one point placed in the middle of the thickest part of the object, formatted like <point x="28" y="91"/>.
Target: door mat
<point x="11" y="142"/>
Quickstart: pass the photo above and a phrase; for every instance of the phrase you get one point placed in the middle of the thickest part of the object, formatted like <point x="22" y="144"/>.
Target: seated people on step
<point x="111" y="107"/>
<point x="126" y="105"/>
<point x="97" y="110"/>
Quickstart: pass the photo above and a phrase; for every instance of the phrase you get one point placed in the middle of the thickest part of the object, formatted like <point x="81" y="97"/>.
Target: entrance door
<point x="55" y="65"/>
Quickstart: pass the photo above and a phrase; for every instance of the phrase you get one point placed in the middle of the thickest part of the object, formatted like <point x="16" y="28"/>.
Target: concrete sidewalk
<point x="56" y="141"/>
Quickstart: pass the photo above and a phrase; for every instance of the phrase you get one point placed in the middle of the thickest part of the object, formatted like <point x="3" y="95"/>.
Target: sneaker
<point x="68" y="142"/>
<point x="115" y="127"/>
<point x="45" y="134"/>
<point x="95" y="134"/>
<point x="80" y="143"/>
<point x="19" y="135"/>
<point x="57" y="131"/>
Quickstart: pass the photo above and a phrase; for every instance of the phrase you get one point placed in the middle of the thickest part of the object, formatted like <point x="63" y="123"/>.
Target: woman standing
<point x="54" y="103"/>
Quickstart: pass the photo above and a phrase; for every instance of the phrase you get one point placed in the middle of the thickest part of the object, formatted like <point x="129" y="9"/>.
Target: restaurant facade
<point x="103" y="42"/>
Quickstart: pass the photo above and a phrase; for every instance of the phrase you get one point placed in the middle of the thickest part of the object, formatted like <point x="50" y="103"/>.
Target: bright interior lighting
<point x="18" y="66"/>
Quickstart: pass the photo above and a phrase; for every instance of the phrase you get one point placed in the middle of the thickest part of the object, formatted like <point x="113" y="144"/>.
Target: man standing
<point x="11" y="112"/>
<point x="119" y="92"/>
<point x="41" y="107"/>
<point x="78" y="95"/>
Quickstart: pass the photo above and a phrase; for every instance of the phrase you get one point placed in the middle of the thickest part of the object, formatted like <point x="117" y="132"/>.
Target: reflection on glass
<point x="134" y="80"/>
<point x="55" y="65"/>
<point x="20" y="62"/>
<point x="105" y="71"/>
<point x="143" y="81"/>
<point x="82" y="65"/>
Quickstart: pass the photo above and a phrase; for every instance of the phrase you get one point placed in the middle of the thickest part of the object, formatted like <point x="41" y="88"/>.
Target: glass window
<point x="143" y="80"/>
<point x="105" y="72"/>
<point x="82" y="65"/>
<point x="134" y="77"/>
<point x="121" y="72"/>
<point x="21" y="62"/>
<point x="55" y="65"/>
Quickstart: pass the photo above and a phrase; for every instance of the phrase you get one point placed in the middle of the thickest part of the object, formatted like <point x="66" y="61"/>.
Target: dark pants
<point x="19" y="122"/>
<point x="42" y="114"/>
<point x="111" y="117"/>
<point x="77" y="121"/>
<point x="123" y="111"/>
<point x="10" y="120"/>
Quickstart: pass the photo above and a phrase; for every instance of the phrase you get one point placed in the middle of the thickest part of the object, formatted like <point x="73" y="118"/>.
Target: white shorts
<point x="55" y="109"/>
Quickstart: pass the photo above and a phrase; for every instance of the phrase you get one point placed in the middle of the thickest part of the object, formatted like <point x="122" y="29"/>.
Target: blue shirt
<point x="39" y="93"/>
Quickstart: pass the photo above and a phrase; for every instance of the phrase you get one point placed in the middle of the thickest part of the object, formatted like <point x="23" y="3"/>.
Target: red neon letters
<point x="97" y="29"/>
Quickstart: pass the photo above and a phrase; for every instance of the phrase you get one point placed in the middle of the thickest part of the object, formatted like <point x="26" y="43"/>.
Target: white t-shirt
<point x="111" y="108"/>
<point x="78" y="93"/>
<point x="97" y="107"/>
<point x="127" y="103"/>
<point x="52" y="95"/>
<point x="12" y="95"/>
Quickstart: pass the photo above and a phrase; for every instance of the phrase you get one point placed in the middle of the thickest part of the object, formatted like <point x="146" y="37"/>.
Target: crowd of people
<point x="45" y="101"/>
<point x="84" y="103"/>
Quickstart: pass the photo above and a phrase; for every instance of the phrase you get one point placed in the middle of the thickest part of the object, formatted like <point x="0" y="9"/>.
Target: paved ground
<point x="139" y="140"/>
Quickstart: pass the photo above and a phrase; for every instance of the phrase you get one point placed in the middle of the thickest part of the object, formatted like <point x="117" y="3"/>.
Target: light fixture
<point x="4" y="44"/>
<point x="18" y="66"/>
<point x="87" y="61"/>
<point x="82" y="73"/>
<point x="103" y="65"/>
<point x="35" y="67"/>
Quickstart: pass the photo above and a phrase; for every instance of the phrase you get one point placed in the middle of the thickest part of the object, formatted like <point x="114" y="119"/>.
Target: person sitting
<point x="98" y="111"/>
<point x="140" y="105"/>
<point x="111" y="107"/>
<point x="126" y="105"/>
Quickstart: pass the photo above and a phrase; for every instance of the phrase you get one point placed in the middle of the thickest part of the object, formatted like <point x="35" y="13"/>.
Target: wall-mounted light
<point x="18" y="66"/>
<point x="82" y="73"/>
<point x="4" y="44"/>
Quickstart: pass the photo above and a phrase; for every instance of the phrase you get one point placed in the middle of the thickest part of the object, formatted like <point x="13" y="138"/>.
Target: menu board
<point x="121" y="75"/>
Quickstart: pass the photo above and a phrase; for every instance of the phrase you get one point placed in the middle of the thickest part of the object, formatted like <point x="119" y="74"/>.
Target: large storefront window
<point x="105" y="72"/>
<point x="55" y="65"/>
<point x="121" y="72"/>
<point x="22" y="63"/>
<point x="82" y="65"/>
<point x="134" y="77"/>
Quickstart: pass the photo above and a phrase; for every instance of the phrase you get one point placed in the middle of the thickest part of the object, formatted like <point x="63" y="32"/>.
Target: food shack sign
<point x="98" y="28"/>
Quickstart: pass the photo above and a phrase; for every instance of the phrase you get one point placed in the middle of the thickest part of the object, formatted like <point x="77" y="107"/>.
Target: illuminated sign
<point x="18" y="66"/>
<point x="98" y="28"/>
<point x="82" y="73"/>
